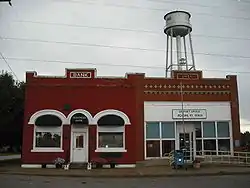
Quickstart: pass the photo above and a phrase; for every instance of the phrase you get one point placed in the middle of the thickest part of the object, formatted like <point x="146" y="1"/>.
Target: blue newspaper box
<point x="179" y="158"/>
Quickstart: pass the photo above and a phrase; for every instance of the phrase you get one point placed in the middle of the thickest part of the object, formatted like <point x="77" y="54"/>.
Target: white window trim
<point x="216" y="138"/>
<point x="50" y="149"/>
<point x="157" y="139"/>
<point x="116" y="129"/>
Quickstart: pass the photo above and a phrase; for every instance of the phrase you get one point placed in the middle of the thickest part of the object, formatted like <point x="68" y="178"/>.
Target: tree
<point x="245" y="138"/>
<point x="11" y="110"/>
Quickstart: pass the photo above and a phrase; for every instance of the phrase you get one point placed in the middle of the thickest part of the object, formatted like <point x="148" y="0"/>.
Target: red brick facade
<point x="82" y="89"/>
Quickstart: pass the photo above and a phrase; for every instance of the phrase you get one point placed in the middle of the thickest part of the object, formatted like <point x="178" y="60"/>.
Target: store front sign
<point x="189" y="114"/>
<point x="80" y="74"/>
<point x="79" y="118"/>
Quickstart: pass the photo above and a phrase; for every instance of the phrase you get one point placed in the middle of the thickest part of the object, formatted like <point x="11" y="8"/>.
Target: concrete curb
<point x="221" y="173"/>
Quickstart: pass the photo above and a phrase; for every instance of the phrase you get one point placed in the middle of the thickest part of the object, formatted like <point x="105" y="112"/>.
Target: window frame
<point x="223" y="137"/>
<point x="160" y="139"/>
<point x="216" y="137"/>
<point x="110" y="129"/>
<point x="215" y="130"/>
<point x="47" y="129"/>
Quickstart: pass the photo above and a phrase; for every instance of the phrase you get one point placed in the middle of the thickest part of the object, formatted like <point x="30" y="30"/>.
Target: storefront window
<point x="209" y="130"/>
<point x="198" y="129"/>
<point x="167" y="130"/>
<point x="167" y="147"/>
<point x="224" y="146"/>
<point x="47" y="133"/>
<point x="223" y="129"/>
<point x="153" y="148"/>
<point x="160" y="138"/>
<point x="152" y="130"/>
<point x="110" y="140"/>
<point x="111" y="133"/>
<point x="48" y="140"/>
<point x="210" y="147"/>
<point x="198" y="147"/>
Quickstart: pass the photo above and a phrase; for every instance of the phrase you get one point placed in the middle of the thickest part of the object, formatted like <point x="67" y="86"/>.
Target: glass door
<point x="186" y="144"/>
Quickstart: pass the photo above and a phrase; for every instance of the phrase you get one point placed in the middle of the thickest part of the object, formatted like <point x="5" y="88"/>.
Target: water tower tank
<point x="179" y="21"/>
<point x="177" y="29"/>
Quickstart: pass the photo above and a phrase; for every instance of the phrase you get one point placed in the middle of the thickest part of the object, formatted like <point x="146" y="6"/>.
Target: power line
<point x="122" y="29"/>
<point x="119" y="47"/>
<point x="4" y="59"/>
<point x="190" y="4"/>
<point x="183" y="3"/>
<point x="114" y="65"/>
<point x="162" y="10"/>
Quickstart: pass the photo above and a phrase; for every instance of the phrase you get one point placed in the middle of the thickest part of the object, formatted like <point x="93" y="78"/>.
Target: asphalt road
<point x="187" y="182"/>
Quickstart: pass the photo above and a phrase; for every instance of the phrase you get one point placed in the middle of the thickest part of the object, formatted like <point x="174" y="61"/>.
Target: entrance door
<point x="186" y="143"/>
<point x="79" y="147"/>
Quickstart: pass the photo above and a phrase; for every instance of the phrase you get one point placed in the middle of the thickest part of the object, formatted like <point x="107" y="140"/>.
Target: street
<point x="7" y="181"/>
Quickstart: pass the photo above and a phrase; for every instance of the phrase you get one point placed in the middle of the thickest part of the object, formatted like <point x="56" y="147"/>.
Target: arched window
<point x="111" y="130"/>
<point x="47" y="133"/>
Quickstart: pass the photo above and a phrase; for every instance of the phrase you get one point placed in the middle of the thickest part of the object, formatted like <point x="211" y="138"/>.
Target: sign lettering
<point x="189" y="114"/>
<point x="187" y="76"/>
<point x="80" y="74"/>
<point x="79" y="118"/>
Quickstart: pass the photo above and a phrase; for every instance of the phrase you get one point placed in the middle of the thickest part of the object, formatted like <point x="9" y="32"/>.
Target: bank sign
<point x="189" y="114"/>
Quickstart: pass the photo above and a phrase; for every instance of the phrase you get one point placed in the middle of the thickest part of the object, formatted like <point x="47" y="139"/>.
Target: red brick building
<point x="81" y="116"/>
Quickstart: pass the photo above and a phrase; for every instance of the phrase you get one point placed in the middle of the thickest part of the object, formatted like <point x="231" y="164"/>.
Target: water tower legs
<point x="167" y="57"/>
<point x="178" y="48"/>
<point x="192" y="51"/>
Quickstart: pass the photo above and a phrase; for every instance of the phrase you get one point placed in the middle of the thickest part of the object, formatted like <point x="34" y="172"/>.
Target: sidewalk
<point x="126" y="173"/>
<point x="9" y="157"/>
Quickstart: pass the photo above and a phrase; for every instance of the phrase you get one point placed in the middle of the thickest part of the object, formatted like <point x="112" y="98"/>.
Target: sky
<point x="118" y="36"/>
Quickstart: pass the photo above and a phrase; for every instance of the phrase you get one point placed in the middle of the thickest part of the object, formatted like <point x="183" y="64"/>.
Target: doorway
<point x="186" y="143"/>
<point x="79" y="147"/>
<point x="186" y="139"/>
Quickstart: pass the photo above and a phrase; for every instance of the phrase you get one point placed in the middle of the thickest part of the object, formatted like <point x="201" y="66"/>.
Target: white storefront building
<point x="205" y="128"/>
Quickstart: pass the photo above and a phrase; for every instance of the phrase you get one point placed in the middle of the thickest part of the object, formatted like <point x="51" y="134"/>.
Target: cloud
<point x="206" y="20"/>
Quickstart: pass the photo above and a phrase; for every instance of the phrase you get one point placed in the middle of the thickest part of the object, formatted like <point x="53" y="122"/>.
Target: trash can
<point x="178" y="158"/>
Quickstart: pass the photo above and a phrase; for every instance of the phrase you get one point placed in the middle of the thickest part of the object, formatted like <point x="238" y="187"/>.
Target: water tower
<point x="179" y="52"/>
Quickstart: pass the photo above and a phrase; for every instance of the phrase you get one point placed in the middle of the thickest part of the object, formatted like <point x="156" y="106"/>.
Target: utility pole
<point x="183" y="120"/>
<point x="7" y="1"/>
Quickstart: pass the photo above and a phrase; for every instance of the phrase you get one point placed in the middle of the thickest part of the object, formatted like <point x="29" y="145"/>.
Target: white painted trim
<point x="121" y="166"/>
<point x="110" y="150"/>
<point x="216" y="136"/>
<point x="53" y="166"/>
<point x="82" y="111"/>
<point x="45" y="150"/>
<point x="145" y="141"/>
<point x="40" y="149"/>
<point x="110" y="130"/>
<point x="231" y="137"/>
<point x="85" y="130"/>
<point x="31" y="166"/>
<point x="160" y="132"/>
<point x="47" y="112"/>
<point x="111" y="112"/>
<point x="175" y="139"/>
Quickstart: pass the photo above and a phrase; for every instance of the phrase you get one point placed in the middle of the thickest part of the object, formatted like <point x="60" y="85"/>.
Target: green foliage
<point x="11" y="109"/>
<point x="245" y="138"/>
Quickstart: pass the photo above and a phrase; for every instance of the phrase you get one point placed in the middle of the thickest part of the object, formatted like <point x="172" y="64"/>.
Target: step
<point x="78" y="165"/>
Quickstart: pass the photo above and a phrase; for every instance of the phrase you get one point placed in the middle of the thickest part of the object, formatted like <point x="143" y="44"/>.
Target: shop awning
<point x="111" y="120"/>
<point x="79" y="118"/>
<point x="48" y="120"/>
